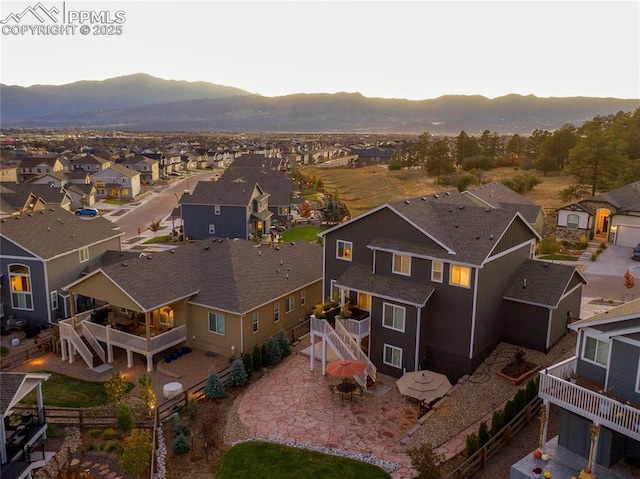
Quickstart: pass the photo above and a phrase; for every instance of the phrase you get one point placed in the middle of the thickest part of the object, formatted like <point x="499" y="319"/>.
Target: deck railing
<point x="598" y="407"/>
<point x="357" y="328"/>
<point x="68" y="332"/>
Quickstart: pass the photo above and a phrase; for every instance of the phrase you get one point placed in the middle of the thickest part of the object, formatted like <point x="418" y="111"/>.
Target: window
<point x="166" y="316"/>
<point x="254" y="322"/>
<point x="54" y="300"/>
<point x="290" y="304"/>
<point x="283" y="210"/>
<point x="276" y="312"/>
<point x="212" y="229"/>
<point x="402" y="264"/>
<point x="216" y="323"/>
<point x="344" y="249"/>
<point x="392" y="356"/>
<point x="216" y="209"/>
<point x="572" y="221"/>
<point x="437" y="267"/>
<point x="20" y="280"/>
<point x="460" y="275"/>
<point x="303" y="297"/>
<point x="595" y="350"/>
<point x="393" y="317"/>
<point x="84" y="255"/>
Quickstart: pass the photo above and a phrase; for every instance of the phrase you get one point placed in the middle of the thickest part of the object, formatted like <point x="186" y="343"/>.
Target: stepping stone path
<point x="102" y="469"/>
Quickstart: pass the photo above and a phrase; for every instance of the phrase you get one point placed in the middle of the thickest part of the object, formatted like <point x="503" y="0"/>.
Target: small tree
<point x="497" y="422"/>
<point x="247" y="360"/>
<point x="257" y="361"/>
<point x="274" y="354"/>
<point x="425" y="461"/>
<point x="264" y="358"/>
<point x="147" y="394"/>
<point x="181" y="444"/>
<point x="214" y="389"/>
<point x="155" y="227"/>
<point x="472" y="442"/>
<point x="116" y="388"/>
<point x="483" y="434"/>
<point x="305" y="209"/>
<point x="238" y="375"/>
<point x="284" y="344"/>
<point x="137" y="452"/>
<point x="124" y="418"/>
<point x="629" y="280"/>
<point x="509" y="411"/>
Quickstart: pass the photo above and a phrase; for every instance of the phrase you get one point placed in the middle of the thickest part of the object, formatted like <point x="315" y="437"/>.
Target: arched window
<point x="572" y="221"/>
<point x="20" y="281"/>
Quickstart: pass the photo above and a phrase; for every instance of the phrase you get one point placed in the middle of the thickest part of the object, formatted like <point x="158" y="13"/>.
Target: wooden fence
<point x="98" y="417"/>
<point x="478" y="460"/>
<point x="27" y="354"/>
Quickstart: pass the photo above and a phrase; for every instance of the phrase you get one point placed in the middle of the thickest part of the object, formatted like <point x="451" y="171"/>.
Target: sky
<point x="414" y="50"/>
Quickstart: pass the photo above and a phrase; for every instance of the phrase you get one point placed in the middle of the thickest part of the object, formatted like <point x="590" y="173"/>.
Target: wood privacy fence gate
<point x="478" y="460"/>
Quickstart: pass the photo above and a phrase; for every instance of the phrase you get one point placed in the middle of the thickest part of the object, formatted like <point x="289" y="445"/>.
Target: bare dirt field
<point x="365" y="188"/>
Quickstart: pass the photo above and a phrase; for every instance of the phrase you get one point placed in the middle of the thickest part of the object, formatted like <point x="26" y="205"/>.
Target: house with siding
<point x="432" y="279"/>
<point x="613" y="217"/>
<point x="118" y="182"/>
<point x="42" y="251"/>
<point x="148" y="168"/>
<point x="226" y="209"/>
<point x="76" y="184"/>
<point x="220" y="294"/>
<point x="598" y="395"/>
<point x="32" y="166"/>
<point x="8" y="173"/>
<point x="90" y="163"/>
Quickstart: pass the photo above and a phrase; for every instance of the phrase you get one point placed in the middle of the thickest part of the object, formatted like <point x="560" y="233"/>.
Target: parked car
<point x="636" y="253"/>
<point x="86" y="212"/>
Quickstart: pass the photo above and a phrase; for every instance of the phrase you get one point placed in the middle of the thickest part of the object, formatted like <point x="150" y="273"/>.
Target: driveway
<point x="606" y="274"/>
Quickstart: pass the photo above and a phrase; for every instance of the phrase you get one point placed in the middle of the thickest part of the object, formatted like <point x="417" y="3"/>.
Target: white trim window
<point x="392" y="356"/>
<point x="20" y="284"/>
<point x="595" y="350"/>
<point x="393" y="317"/>
<point x="344" y="250"/>
<point x="573" y="221"/>
<point x="276" y="312"/>
<point x="460" y="276"/>
<point x="303" y="297"/>
<point x="289" y="304"/>
<point x="84" y="254"/>
<point x="54" y="300"/>
<point x="212" y="229"/>
<point x="255" y="325"/>
<point x="216" y="323"/>
<point x="216" y="210"/>
<point x="402" y="264"/>
<point x="437" y="270"/>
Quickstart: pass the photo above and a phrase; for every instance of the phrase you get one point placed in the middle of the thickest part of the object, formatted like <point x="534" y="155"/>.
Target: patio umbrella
<point x="423" y="385"/>
<point x="345" y="368"/>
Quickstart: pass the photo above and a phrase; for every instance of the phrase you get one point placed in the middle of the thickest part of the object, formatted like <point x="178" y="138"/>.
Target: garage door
<point x="628" y="236"/>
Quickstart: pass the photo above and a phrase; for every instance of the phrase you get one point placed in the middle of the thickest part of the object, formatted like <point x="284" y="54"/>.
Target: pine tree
<point x="238" y="375"/>
<point x="214" y="388"/>
<point x="274" y="355"/>
<point x="282" y="340"/>
<point x="247" y="360"/>
<point x="257" y="361"/>
<point x="263" y="355"/>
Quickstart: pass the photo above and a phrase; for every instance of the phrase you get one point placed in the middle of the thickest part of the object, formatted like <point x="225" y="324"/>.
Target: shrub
<point x="285" y="345"/>
<point x="520" y="400"/>
<point x="181" y="444"/>
<point x="147" y="394"/>
<point x="497" y="422"/>
<point x="247" y="360"/>
<point x="548" y="245"/>
<point x="124" y="418"/>
<point x="114" y="445"/>
<point x="509" y="411"/>
<point x="465" y="180"/>
<point x="110" y="433"/>
<point x="603" y="245"/>
<point x="95" y="433"/>
<point x="192" y="409"/>
<point x="522" y="182"/>
<point x="483" y="434"/>
<point x="183" y="428"/>
<point x="425" y="461"/>
<point x="477" y="162"/>
<point x="116" y="388"/>
<point x="394" y="166"/>
<point x="531" y="390"/>
<point x="238" y="375"/>
<point x="263" y="355"/>
<point x="214" y="389"/>
<point x="257" y="361"/>
<point x="274" y="352"/>
<point x="594" y="255"/>
<point x="472" y="442"/>
<point x="137" y="452"/>
<point x="584" y="242"/>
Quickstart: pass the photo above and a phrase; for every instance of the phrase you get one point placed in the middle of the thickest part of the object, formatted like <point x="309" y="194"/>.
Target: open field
<point x="365" y="188"/>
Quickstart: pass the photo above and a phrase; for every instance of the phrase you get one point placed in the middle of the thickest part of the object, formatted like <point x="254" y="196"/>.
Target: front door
<point x="602" y="223"/>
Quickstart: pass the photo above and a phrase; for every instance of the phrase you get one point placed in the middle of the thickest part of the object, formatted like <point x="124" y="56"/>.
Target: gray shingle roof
<point x="273" y="182"/>
<point x="55" y="231"/>
<point x="626" y="196"/>
<point x="231" y="275"/>
<point x="545" y="282"/>
<point x="502" y="197"/>
<point x="9" y="385"/>
<point x="219" y="193"/>
<point x="471" y="232"/>
<point x="361" y="278"/>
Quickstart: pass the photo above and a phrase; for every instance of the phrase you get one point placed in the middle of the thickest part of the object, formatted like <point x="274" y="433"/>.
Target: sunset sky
<point x="414" y="50"/>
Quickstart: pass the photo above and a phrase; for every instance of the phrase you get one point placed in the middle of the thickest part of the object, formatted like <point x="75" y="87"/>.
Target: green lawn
<point x="273" y="461"/>
<point x="559" y="257"/>
<point x="159" y="239"/>
<point x="4" y="351"/>
<point x="65" y="391"/>
<point x="304" y="233"/>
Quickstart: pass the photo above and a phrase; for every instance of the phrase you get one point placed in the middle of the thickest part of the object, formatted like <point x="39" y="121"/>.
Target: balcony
<point x="584" y="398"/>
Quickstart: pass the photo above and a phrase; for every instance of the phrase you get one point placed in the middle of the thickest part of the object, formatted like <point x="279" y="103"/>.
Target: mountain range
<point x="143" y="102"/>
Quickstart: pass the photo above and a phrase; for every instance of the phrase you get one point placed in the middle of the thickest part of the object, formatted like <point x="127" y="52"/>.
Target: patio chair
<point x="334" y="392"/>
<point x="356" y="394"/>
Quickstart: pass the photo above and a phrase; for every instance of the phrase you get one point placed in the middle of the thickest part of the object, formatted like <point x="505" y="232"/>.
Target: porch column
<point x="109" y="345"/>
<point x="63" y="347"/>
<point x="149" y="362"/>
<point x="40" y="407"/>
<point x="595" y="434"/>
<point x="147" y="320"/>
<point x="129" y="358"/>
<point x="312" y="356"/>
<point x="72" y="307"/>
<point x="324" y="355"/>
<point x="544" y="424"/>
<point x="72" y="351"/>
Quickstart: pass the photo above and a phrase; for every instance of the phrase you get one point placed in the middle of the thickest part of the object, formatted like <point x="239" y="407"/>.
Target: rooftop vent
<point x="41" y="212"/>
<point x="424" y="198"/>
<point x="30" y="214"/>
<point x="491" y="236"/>
<point x="293" y="243"/>
<point x="172" y="251"/>
<point x="149" y="256"/>
<point x="206" y="248"/>
<point x="460" y="207"/>
<point x="487" y="210"/>
<point x="524" y="283"/>
<point x="436" y="196"/>
<point x="407" y="202"/>
<point x="545" y="265"/>
<point x="450" y="210"/>
<point x="125" y="264"/>
<point x="477" y="237"/>
<point x="448" y="193"/>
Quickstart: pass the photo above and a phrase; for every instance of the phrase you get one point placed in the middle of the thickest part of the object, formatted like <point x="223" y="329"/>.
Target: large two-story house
<point x="33" y="166"/>
<point x="226" y="209"/>
<point x="118" y="182"/>
<point x="443" y="281"/>
<point x="42" y="251"/>
<point x="598" y="393"/>
<point x="148" y="168"/>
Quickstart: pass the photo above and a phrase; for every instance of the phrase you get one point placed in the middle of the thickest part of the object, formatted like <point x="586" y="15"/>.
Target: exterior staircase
<point x="345" y="347"/>
<point x="97" y="360"/>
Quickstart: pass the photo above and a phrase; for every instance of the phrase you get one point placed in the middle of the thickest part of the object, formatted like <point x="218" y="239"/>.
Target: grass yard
<point x="304" y="233"/>
<point x="64" y="391"/>
<point x="365" y="188"/>
<point x="4" y="351"/>
<point x="159" y="239"/>
<point x="250" y="460"/>
<point x="559" y="257"/>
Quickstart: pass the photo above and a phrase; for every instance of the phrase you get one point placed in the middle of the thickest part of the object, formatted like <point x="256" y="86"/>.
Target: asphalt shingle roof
<point x="361" y="278"/>
<point x="9" y="385"/>
<point x="230" y="275"/>
<point x="55" y="231"/>
<point x="626" y="196"/>
<point x="219" y="193"/>
<point x="540" y="282"/>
